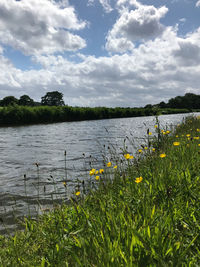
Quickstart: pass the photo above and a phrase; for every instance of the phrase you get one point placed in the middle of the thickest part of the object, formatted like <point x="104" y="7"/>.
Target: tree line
<point x="53" y="98"/>
<point x="189" y="101"/>
<point x="52" y="108"/>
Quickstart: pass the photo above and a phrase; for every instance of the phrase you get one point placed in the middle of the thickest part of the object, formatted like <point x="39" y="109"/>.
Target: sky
<point x="113" y="53"/>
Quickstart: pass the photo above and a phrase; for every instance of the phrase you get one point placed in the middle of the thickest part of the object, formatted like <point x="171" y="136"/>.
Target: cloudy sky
<point x="100" y="52"/>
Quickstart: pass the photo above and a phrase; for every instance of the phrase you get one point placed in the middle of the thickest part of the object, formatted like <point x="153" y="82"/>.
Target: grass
<point x="144" y="213"/>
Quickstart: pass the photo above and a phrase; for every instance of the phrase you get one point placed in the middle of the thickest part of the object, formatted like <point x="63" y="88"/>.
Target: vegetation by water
<point x="52" y="108"/>
<point x="145" y="211"/>
<point x="16" y="115"/>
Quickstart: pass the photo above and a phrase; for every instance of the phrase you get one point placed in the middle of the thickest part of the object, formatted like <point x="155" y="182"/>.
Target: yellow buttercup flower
<point x="198" y="144"/>
<point x="153" y="149"/>
<point x="162" y="155"/>
<point x="128" y="156"/>
<point x="145" y="147"/>
<point x="131" y="157"/>
<point x="150" y="133"/>
<point x="101" y="171"/>
<point x="77" y="193"/>
<point x="65" y="184"/>
<point x="92" y="171"/>
<point x="96" y="172"/>
<point x="109" y="164"/>
<point x="155" y="126"/>
<point x="140" y="150"/>
<point x="138" y="179"/>
<point x="176" y="135"/>
<point x="196" y="137"/>
<point x="115" y="167"/>
<point x="188" y="135"/>
<point x="97" y="177"/>
<point x="167" y="132"/>
<point x="176" y="143"/>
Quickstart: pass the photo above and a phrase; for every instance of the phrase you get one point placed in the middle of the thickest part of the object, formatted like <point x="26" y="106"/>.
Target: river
<point x="33" y="164"/>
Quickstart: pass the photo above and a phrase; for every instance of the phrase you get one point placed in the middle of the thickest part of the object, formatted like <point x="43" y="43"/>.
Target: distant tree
<point x="162" y="104"/>
<point x="148" y="106"/>
<point x="25" y="100"/>
<point x="9" y="100"/>
<point x="54" y="98"/>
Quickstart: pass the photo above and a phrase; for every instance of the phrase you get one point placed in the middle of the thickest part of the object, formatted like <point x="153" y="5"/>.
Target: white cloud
<point x="106" y="5"/>
<point x="40" y="26"/>
<point x="155" y="71"/>
<point x="198" y="3"/>
<point x="140" y="24"/>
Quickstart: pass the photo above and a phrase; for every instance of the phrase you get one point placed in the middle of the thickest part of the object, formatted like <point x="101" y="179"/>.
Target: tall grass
<point x="145" y="212"/>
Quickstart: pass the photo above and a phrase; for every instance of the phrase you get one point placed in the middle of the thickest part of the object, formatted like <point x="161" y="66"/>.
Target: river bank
<point x="23" y="115"/>
<point x="145" y="214"/>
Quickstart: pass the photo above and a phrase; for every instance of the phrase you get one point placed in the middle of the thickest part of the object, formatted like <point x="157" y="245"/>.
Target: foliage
<point x="25" y="100"/>
<point x="54" y="98"/>
<point x="15" y="115"/>
<point x="189" y="101"/>
<point x="9" y="100"/>
<point x="144" y="213"/>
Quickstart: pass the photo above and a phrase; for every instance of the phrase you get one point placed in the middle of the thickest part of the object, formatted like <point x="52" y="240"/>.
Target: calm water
<point x="84" y="142"/>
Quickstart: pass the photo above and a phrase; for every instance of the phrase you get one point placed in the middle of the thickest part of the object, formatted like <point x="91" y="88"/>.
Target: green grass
<point x="155" y="222"/>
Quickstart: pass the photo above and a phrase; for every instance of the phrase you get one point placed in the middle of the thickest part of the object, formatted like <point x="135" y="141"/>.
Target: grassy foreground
<point x="148" y="214"/>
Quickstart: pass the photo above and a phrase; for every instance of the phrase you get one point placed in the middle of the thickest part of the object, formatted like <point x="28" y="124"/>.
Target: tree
<point x="9" y="100"/>
<point x="54" y="98"/>
<point x="162" y="105"/>
<point x="25" y="100"/>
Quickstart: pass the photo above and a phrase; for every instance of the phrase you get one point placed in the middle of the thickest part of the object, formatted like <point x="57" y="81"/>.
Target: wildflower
<point x="97" y="172"/>
<point x="145" y="147"/>
<point x="188" y="135"/>
<point x="92" y="171"/>
<point x="131" y="157"/>
<point x="77" y="193"/>
<point x="109" y="164"/>
<point x="140" y="150"/>
<point x="138" y="179"/>
<point x="150" y="133"/>
<point x="127" y="156"/>
<point x="176" y="143"/>
<point x="97" y="177"/>
<point x="198" y="144"/>
<point x="115" y="167"/>
<point x="167" y="132"/>
<point x="155" y="126"/>
<point x="176" y="135"/>
<point x="198" y="130"/>
<point x="101" y="171"/>
<point x="162" y="155"/>
<point x="196" y="137"/>
<point x="153" y="149"/>
<point x="65" y="184"/>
